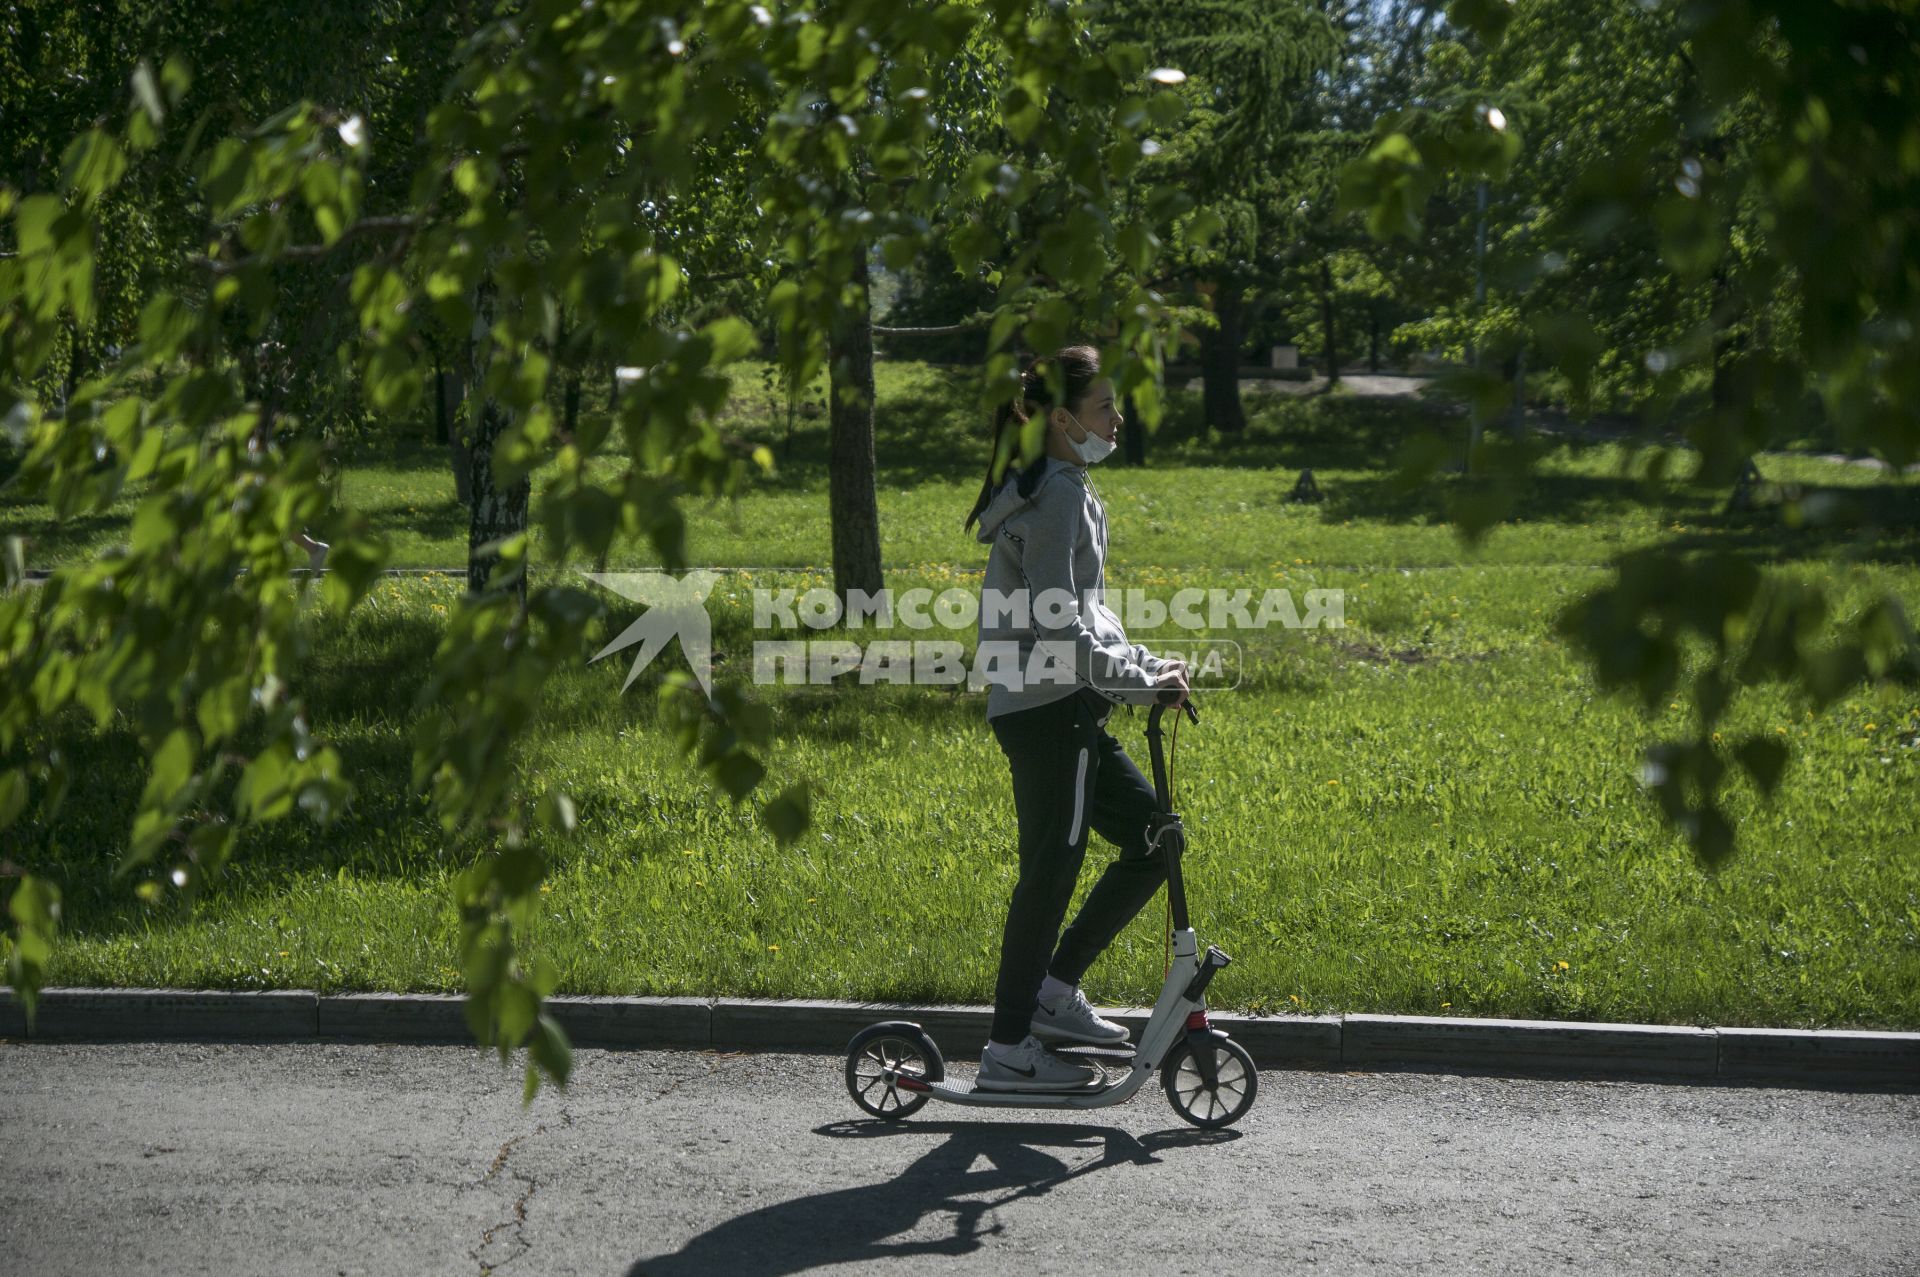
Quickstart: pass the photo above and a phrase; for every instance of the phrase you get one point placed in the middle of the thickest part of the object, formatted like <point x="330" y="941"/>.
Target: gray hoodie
<point x="1053" y="541"/>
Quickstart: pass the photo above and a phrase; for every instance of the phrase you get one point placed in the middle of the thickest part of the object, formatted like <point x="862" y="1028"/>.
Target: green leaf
<point x="35" y="910"/>
<point x="226" y="177"/>
<point x="1765" y="760"/>
<point x="731" y="339"/>
<point x="262" y="792"/>
<point x="222" y="708"/>
<point x="788" y="815"/>
<point x="165" y="324"/>
<point x="1204" y="226"/>
<point x="1572" y="344"/>
<point x="555" y="810"/>
<point x="353" y="565"/>
<point x="175" y="78"/>
<point x="34" y="223"/>
<point x="517" y="1009"/>
<point x="550" y="1050"/>
<point x="92" y="164"/>
<point x="153" y="527"/>
<point x="172" y="768"/>
<point x="13" y="796"/>
<point x="737" y="772"/>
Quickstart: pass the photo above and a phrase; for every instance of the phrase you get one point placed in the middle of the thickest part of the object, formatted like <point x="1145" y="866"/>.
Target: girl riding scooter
<point x="1048" y="532"/>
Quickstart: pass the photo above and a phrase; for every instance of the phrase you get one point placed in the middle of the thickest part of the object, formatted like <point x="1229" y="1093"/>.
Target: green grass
<point x="1200" y="503"/>
<point x="1432" y="811"/>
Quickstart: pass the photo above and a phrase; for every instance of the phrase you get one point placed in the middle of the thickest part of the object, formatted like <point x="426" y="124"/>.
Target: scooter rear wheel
<point x="1235" y="1083"/>
<point x="881" y="1054"/>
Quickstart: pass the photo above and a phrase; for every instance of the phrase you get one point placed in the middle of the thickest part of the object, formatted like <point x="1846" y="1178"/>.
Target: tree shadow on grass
<point x="52" y="542"/>
<point x="409" y="454"/>
<point x="1289" y="433"/>
<point x="872" y="1222"/>
<point x="1872" y="524"/>
<point x="1876" y="524"/>
<point x="446" y="520"/>
<point x="1543" y="498"/>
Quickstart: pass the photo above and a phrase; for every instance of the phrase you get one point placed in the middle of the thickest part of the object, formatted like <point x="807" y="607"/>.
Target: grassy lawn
<point x="1430" y="811"/>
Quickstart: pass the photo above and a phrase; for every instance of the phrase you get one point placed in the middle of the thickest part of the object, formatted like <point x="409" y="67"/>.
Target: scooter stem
<point x="1165" y="833"/>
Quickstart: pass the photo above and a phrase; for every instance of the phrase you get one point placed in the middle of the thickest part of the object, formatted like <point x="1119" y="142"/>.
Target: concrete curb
<point x="1814" y="1054"/>
<point x="13" y="1019"/>
<point x="1830" y="1057"/>
<point x="1375" y="1040"/>
<point x="173" y="1015"/>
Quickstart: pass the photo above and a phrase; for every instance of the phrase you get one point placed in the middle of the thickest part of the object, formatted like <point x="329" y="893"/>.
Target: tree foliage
<point x="1779" y="184"/>
<point x="524" y="218"/>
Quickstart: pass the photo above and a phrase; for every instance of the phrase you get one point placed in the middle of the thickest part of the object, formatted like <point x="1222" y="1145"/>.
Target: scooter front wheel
<point x="882" y="1054"/>
<point x="1230" y="1094"/>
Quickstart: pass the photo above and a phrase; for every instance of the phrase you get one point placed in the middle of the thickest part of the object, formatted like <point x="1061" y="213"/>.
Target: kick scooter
<point x="894" y="1068"/>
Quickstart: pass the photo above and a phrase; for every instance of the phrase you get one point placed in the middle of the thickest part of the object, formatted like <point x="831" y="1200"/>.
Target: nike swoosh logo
<point x="1022" y="1072"/>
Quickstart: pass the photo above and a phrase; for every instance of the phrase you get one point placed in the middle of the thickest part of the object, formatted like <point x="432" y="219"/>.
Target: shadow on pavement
<point x="869" y="1221"/>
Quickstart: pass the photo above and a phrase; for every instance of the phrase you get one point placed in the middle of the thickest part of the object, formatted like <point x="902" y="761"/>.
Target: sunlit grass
<point x="1432" y="810"/>
<point x="1437" y="833"/>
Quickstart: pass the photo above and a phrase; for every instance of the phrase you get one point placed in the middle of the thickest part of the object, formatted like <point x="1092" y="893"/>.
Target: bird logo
<point x="675" y="608"/>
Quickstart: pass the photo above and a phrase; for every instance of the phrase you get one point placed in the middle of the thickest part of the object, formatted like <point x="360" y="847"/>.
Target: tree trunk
<point x="1373" y="340"/>
<point x="496" y="512"/>
<point x="1729" y="347"/>
<point x="1326" y="323"/>
<point x="1220" y="363"/>
<point x="455" y="406"/>
<point x="853" y="507"/>
<point x="439" y="404"/>
<point x="1133" y="436"/>
<point x="1518" y="424"/>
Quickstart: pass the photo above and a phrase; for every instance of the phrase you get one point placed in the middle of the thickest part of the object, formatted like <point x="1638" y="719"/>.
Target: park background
<point x="1587" y="357"/>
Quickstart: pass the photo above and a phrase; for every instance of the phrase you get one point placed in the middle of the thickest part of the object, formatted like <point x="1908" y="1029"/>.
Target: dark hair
<point x="1079" y="367"/>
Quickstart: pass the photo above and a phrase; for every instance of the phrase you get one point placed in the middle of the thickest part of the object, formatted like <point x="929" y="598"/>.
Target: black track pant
<point x="1069" y="776"/>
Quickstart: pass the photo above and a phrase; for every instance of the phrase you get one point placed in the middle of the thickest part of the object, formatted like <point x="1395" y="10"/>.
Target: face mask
<point x="1091" y="450"/>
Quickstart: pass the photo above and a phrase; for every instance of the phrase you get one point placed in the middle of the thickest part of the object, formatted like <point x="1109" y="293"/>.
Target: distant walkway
<point x="1371" y="385"/>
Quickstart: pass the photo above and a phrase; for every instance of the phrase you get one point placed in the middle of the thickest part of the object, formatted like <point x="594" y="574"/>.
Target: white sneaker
<point x="1031" y="1067"/>
<point x="1071" y="1018"/>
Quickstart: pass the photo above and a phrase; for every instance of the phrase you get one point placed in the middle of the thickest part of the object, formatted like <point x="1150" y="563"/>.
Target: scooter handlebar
<point x="1167" y="699"/>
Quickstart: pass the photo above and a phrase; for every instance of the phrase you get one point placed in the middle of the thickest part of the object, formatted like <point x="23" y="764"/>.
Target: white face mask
<point x="1091" y="450"/>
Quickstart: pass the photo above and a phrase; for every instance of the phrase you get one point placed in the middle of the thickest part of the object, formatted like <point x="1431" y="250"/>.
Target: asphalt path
<point x="400" y="1160"/>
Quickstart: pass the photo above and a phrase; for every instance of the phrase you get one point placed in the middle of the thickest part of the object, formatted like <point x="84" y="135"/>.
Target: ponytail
<point x="1080" y="366"/>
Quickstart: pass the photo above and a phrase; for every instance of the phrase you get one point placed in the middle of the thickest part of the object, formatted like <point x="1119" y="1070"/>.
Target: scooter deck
<point x="1083" y="1097"/>
<point x="1076" y="1050"/>
<point x="1088" y="1096"/>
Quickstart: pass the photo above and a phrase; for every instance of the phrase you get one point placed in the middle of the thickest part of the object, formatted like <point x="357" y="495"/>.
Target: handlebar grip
<point x="1167" y="698"/>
